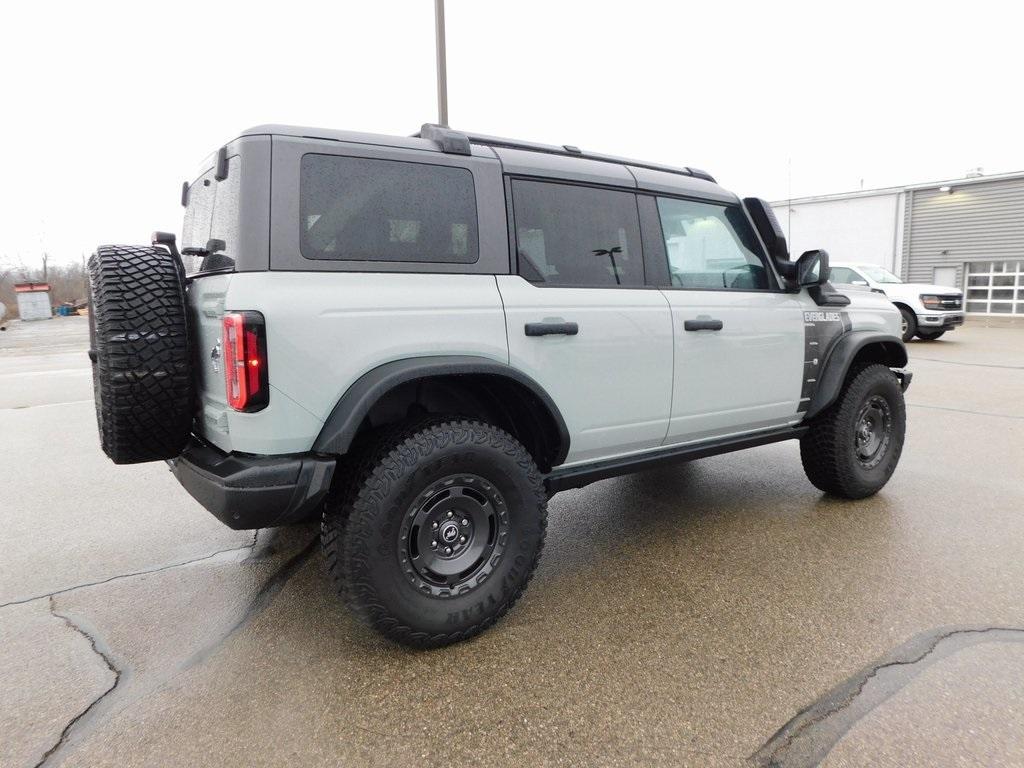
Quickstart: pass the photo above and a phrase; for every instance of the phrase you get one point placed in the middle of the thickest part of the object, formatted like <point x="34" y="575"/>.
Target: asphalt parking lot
<point x="718" y="613"/>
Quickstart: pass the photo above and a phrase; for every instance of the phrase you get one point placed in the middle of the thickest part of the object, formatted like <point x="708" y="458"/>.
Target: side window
<point x="576" y="236"/>
<point x="711" y="247"/>
<point x="843" y="275"/>
<point x="360" y="209"/>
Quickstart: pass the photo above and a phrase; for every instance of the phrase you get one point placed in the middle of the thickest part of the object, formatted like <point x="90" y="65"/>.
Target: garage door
<point x="996" y="287"/>
<point x="34" y="305"/>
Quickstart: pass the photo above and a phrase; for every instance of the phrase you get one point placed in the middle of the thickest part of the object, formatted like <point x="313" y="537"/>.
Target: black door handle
<point x="702" y="324"/>
<point x="551" y="329"/>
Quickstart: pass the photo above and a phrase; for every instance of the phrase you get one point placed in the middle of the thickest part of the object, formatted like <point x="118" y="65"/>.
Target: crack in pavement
<point x="101" y="649"/>
<point x="43" y="405"/>
<point x="108" y="701"/>
<point x="964" y="410"/>
<point x="809" y="736"/>
<point x="972" y="365"/>
<point x="193" y="561"/>
<point x="261" y="600"/>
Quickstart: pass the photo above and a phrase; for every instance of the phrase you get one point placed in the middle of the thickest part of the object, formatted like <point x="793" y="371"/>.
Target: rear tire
<point x="908" y="324"/>
<point x="139" y="348"/>
<point x="437" y="531"/>
<point x="852" y="449"/>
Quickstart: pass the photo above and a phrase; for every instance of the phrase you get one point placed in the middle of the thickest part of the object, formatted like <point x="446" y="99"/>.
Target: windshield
<point x="879" y="275"/>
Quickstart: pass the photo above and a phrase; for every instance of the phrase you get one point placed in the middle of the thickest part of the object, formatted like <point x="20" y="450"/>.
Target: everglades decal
<point x="822" y="317"/>
<point x="821" y="331"/>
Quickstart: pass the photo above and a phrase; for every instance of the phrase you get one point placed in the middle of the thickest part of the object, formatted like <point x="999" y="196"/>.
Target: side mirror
<point x="859" y="282"/>
<point x="771" y="233"/>
<point x="812" y="268"/>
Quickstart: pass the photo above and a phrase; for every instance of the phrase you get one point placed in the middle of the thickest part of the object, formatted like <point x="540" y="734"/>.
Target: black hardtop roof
<point x="453" y="141"/>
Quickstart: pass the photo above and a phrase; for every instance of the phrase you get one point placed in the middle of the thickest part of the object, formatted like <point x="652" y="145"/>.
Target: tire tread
<point x="823" y="447"/>
<point x="142" y="379"/>
<point x="371" y="475"/>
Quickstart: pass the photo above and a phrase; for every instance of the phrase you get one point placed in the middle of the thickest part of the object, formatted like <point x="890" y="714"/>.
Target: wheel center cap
<point x="449" y="532"/>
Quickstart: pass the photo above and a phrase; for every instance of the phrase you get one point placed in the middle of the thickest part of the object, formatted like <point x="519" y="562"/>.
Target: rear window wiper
<point x="213" y="246"/>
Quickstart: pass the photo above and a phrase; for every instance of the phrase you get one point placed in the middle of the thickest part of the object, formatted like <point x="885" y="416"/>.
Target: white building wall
<point x="864" y="228"/>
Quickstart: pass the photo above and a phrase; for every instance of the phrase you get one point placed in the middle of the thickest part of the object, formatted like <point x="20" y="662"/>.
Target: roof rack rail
<point x="452" y="142"/>
<point x="457" y="142"/>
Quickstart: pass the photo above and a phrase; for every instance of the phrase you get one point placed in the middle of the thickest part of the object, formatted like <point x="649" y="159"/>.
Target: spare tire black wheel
<point x="138" y="333"/>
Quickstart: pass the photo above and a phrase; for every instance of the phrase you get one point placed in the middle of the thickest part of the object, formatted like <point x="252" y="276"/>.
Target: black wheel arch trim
<point x="892" y="350"/>
<point x="341" y="426"/>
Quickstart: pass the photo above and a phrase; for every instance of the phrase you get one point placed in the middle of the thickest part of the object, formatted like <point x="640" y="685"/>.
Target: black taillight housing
<point x="246" y="380"/>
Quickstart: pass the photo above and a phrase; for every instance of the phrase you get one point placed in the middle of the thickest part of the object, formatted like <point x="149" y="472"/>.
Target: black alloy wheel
<point x="873" y="431"/>
<point x="454" y="535"/>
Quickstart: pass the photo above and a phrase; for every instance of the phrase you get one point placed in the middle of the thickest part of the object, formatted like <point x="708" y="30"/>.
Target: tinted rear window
<point x="212" y="212"/>
<point x="358" y="209"/>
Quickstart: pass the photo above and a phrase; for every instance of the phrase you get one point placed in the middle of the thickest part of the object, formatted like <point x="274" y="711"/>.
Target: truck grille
<point x="951" y="301"/>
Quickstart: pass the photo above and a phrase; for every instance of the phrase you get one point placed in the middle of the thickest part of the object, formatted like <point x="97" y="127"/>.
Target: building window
<point x="995" y="287"/>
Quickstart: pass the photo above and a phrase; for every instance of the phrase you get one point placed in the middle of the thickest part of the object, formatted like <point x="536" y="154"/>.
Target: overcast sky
<point x="108" y="107"/>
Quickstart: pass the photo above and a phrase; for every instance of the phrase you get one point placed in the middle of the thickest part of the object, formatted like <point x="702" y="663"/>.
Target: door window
<point x="711" y="247"/>
<point x="569" y="235"/>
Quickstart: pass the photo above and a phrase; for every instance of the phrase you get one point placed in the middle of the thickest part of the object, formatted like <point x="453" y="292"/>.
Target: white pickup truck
<point x="928" y="311"/>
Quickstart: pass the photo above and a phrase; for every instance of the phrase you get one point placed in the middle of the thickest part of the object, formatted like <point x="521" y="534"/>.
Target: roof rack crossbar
<point x="457" y="142"/>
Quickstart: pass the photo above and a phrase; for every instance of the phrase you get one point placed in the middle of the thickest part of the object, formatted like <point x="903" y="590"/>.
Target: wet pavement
<point x="718" y="613"/>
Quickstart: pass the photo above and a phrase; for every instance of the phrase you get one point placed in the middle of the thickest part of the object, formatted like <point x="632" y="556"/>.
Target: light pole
<point x="442" y="69"/>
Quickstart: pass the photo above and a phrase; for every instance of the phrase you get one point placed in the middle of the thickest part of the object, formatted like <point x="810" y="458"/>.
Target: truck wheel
<point x="852" y="449"/>
<point x="929" y="336"/>
<point x="908" y="324"/>
<point x="438" y="532"/>
<point x="139" y="349"/>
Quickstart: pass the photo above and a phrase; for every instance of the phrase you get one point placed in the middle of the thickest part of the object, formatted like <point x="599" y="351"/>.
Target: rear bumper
<point x="245" y="492"/>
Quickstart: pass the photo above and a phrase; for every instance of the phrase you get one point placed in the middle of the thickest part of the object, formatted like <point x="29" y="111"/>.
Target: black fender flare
<point x="891" y="352"/>
<point x="341" y="425"/>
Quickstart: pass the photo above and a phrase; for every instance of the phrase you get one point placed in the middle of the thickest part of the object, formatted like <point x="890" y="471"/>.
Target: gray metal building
<point x="966" y="233"/>
<point x="973" y="229"/>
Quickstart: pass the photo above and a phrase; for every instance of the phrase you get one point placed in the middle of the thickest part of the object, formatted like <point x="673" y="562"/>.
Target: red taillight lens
<point x="245" y="361"/>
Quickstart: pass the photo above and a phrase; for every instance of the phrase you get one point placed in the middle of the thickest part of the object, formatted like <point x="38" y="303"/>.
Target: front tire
<point x="438" y="533"/>
<point x="908" y="324"/>
<point x="852" y="449"/>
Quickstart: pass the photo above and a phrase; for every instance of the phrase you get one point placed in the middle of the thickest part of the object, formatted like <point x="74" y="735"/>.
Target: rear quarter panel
<point x="325" y="330"/>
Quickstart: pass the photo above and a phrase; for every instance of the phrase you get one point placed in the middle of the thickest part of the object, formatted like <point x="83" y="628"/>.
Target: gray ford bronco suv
<point x="421" y="339"/>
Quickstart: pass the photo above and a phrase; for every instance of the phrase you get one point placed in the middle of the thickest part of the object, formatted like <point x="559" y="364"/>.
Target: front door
<point x="580" y="321"/>
<point x="739" y="340"/>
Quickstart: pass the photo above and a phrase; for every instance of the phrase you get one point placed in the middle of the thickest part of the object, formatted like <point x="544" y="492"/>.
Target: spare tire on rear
<point x="138" y="333"/>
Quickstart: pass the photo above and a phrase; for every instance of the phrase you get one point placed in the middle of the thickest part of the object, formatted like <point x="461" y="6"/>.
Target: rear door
<point x="581" y="322"/>
<point x="211" y="212"/>
<point x="739" y="339"/>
